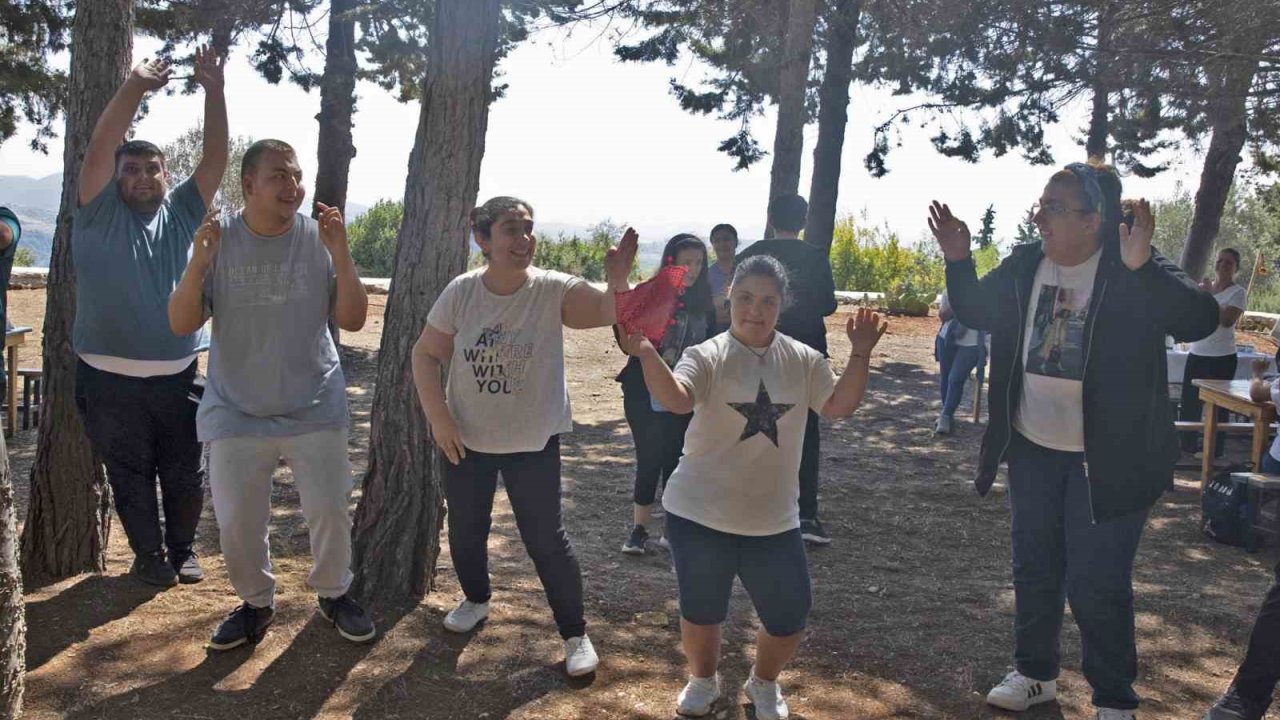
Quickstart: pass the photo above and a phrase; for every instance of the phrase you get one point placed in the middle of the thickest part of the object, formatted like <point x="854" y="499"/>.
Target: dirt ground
<point x="912" y="602"/>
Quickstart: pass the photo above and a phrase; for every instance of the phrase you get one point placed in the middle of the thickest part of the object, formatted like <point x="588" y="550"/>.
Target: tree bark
<point x="1096" y="143"/>
<point x="397" y="524"/>
<point x="1228" y="116"/>
<point x="793" y="79"/>
<point x="68" y="522"/>
<point x="833" y="117"/>
<point x="13" y="624"/>
<point x="337" y="105"/>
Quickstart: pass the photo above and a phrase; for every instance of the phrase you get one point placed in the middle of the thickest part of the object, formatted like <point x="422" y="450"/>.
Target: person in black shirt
<point x="814" y="298"/>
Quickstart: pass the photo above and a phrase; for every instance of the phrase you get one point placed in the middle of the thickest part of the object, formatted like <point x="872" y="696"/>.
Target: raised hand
<point x="865" y="329"/>
<point x="151" y="74"/>
<point x="208" y="72"/>
<point x="951" y="232"/>
<point x="1135" y="245"/>
<point x="333" y="231"/>
<point x="208" y="238"/>
<point x="618" y="260"/>
<point x="634" y="343"/>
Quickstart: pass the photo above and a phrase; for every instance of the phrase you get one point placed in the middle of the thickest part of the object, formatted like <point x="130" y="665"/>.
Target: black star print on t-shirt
<point x="762" y="415"/>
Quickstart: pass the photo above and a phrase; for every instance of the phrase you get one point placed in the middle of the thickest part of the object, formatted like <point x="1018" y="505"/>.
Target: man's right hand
<point x="951" y="232"/>
<point x="151" y="74"/>
<point x="208" y="237"/>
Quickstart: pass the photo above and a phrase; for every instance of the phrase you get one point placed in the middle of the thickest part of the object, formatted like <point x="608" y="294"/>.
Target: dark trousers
<point x="955" y="363"/>
<point x="532" y="480"/>
<point x="809" y="468"/>
<point x="1059" y="554"/>
<point x="1258" y="674"/>
<point x="1200" y="367"/>
<point x="143" y="428"/>
<point x="658" y="438"/>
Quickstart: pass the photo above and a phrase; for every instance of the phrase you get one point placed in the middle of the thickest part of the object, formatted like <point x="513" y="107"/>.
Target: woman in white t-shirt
<point x="500" y="330"/>
<point x="1213" y="357"/>
<point x="732" y="502"/>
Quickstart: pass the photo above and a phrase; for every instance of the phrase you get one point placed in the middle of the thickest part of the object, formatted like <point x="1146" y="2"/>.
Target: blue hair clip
<point x="1089" y="181"/>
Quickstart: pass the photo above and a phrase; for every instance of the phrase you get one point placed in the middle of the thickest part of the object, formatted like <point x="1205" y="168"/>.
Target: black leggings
<point x="1202" y="367"/>
<point x="658" y="437"/>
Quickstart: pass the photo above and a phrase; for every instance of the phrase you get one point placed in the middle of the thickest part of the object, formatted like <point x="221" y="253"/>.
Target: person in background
<point x="657" y="433"/>
<point x="10" y="234"/>
<point x="958" y="350"/>
<point x="812" y="299"/>
<point x="1079" y="409"/>
<point x="1214" y="357"/>
<point x="130" y="240"/>
<point x="724" y="241"/>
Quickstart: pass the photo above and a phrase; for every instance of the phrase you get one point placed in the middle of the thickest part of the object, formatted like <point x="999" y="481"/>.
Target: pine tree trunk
<point x="833" y="117"/>
<point x="1099" y="118"/>
<point x="68" y="521"/>
<point x="793" y="79"/>
<point x="337" y="105"/>
<point x="397" y="524"/>
<point x="1229" y="118"/>
<point x="13" y="624"/>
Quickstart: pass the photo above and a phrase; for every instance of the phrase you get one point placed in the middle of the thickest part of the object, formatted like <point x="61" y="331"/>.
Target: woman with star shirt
<point x="732" y="502"/>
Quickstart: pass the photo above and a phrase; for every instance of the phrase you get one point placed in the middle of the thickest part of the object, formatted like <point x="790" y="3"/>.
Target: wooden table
<point x="1232" y="395"/>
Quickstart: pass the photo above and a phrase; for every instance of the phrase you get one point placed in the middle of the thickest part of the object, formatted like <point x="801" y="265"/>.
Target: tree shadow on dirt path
<point x="76" y="611"/>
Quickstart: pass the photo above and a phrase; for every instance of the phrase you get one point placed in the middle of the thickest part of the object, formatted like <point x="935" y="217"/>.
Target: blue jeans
<point x="1059" y="554"/>
<point x="956" y="362"/>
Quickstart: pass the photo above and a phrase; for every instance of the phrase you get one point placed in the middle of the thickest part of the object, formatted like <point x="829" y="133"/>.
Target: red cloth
<point x="648" y="307"/>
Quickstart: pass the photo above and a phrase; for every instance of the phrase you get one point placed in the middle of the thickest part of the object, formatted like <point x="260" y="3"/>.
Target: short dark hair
<point x="138" y="148"/>
<point x="1233" y="253"/>
<point x="766" y="267"/>
<point x="484" y="216"/>
<point x="788" y="212"/>
<point x="249" y="162"/>
<point x="724" y="227"/>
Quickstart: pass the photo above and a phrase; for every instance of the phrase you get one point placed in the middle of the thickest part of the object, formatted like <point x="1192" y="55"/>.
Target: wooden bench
<point x="1230" y="428"/>
<point x="31" y="386"/>
<point x="1262" y="489"/>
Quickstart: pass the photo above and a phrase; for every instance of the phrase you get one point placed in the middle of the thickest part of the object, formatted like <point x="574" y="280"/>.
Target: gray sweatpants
<point x="240" y="471"/>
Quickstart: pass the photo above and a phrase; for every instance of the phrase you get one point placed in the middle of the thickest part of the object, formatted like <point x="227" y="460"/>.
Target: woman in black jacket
<point x="1080" y="411"/>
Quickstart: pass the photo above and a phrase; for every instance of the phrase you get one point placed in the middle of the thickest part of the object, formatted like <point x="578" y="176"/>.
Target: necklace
<point x="759" y="355"/>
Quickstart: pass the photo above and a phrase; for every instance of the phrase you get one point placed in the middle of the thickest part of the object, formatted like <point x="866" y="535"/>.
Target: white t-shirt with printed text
<point x="1222" y="341"/>
<point x="506" y="385"/>
<point x="740" y="472"/>
<point x="1051" y="410"/>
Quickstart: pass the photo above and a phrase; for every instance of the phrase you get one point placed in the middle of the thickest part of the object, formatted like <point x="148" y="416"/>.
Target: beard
<point x="144" y="205"/>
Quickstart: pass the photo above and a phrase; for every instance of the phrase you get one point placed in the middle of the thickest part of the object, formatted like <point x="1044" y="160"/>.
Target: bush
<point x="573" y="255"/>
<point x="871" y="259"/>
<point x="23" y="257"/>
<point x="373" y="238"/>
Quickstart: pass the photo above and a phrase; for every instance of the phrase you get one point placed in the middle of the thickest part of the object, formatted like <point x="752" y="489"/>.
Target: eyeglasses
<point x="1054" y="209"/>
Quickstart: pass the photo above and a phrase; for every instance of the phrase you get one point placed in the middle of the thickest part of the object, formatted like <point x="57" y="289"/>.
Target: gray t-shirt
<point x="273" y="366"/>
<point x="506" y="387"/>
<point x="127" y="264"/>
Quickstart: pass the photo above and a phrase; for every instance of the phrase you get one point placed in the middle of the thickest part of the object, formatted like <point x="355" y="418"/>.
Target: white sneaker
<point x="663" y="543"/>
<point x="943" y="426"/>
<point x="1019" y="692"/>
<point x="698" y="696"/>
<point x="579" y="656"/>
<point x="466" y="616"/>
<point x="767" y="697"/>
<point x="1113" y="714"/>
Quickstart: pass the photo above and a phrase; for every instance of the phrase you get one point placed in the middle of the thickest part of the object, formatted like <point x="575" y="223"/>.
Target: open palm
<point x="952" y="234"/>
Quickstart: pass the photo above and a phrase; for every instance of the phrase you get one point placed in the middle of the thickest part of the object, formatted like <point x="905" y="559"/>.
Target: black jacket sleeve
<point x="976" y="303"/>
<point x="1187" y="312"/>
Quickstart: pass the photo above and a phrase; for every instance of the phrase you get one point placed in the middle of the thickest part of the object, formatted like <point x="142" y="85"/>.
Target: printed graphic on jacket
<point x="499" y="361"/>
<point x="1057" y="333"/>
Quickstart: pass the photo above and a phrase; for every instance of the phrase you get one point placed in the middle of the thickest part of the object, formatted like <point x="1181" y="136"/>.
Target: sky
<point x="586" y="138"/>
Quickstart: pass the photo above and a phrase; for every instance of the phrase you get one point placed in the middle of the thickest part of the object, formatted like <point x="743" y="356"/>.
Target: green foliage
<point x="872" y="259"/>
<point x="987" y="235"/>
<point x="575" y="255"/>
<point x="30" y="89"/>
<point x="183" y="154"/>
<point x="986" y="259"/>
<point x="372" y="238"/>
<point x="1027" y="230"/>
<point x="23" y="257"/>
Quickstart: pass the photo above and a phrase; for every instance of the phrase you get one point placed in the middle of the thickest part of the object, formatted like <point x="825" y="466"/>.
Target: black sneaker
<point x="813" y="533"/>
<point x="1233" y="707"/>
<point x="186" y="566"/>
<point x="352" y="621"/>
<point x="153" y="569"/>
<point x="635" y="544"/>
<point x="244" y="625"/>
